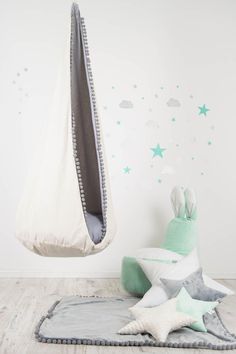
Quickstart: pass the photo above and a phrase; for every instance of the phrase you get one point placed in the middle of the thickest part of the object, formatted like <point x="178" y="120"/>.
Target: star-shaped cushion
<point x="155" y="270"/>
<point x="195" y="286"/>
<point x="159" y="321"/>
<point x="178" y="272"/>
<point x="194" y="308"/>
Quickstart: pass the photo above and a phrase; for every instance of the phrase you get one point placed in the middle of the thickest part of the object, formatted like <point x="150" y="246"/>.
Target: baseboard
<point x="52" y="274"/>
<point x="74" y="274"/>
<point x="222" y="275"/>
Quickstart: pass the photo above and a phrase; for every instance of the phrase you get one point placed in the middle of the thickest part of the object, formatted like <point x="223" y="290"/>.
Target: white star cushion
<point x="157" y="254"/>
<point x="156" y="295"/>
<point x="177" y="271"/>
<point x="154" y="271"/>
<point x="159" y="321"/>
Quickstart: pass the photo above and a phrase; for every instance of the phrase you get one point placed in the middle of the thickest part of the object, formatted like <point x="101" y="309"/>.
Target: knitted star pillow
<point x="158" y="321"/>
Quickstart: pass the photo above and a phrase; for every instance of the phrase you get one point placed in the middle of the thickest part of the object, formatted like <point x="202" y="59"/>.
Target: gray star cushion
<point x="195" y="286"/>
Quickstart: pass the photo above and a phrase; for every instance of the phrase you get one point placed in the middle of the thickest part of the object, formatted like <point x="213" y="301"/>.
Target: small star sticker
<point x="173" y="120"/>
<point x="126" y="169"/>
<point x="118" y="122"/>
<point x="203" y="110"/>
<point x="158" y="151"/>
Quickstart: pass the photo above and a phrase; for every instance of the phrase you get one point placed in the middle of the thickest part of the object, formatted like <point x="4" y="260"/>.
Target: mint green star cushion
<point x="194" y="308"/>
<point x="181" y="234"/>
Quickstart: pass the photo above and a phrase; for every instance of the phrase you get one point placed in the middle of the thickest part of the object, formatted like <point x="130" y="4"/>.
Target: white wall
<point x="185" y="49"/>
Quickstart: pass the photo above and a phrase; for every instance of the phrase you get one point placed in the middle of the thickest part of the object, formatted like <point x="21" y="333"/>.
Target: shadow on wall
<point x="159" y="221"/>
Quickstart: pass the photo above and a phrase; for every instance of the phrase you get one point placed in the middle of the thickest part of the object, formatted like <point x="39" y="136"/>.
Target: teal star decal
<point x="203" y="110"/>
<point x="158" y="151"/>
<point x="126" y="169"/>
<point x="118" y="122"/>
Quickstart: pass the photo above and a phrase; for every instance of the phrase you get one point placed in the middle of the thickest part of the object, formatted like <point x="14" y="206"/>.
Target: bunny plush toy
<point x="180" y="239"/>
<point x="181" y="234"/>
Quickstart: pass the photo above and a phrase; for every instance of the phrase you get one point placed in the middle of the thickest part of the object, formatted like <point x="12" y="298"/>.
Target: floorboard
<point x="24" y="301"/>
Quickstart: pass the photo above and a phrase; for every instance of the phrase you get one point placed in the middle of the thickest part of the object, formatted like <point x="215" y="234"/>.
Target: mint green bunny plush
<point x="181" y="234"/>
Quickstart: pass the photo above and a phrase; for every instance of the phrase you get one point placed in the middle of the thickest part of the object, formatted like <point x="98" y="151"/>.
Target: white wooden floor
<point x="24" y="301"/>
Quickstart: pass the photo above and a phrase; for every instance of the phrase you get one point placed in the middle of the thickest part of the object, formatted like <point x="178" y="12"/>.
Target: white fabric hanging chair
<point x="66" y="209"/>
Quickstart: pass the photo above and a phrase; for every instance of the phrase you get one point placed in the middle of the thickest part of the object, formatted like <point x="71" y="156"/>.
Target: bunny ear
<point x="178" y="202"/>
<point x="190" y="204"/>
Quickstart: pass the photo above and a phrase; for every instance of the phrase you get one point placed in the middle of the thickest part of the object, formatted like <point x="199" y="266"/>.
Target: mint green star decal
<point x="158" y="151"/>
<point x="203" y="110"/>
<point x="126" y="169"/>
<point x="118" y="122"/>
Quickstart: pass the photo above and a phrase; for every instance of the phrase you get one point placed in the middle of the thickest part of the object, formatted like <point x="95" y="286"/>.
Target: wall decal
<point x="127" y="169"/>
<point x="158" y="151"/>
<point x="203" y="110"/>
<point x="152" y="124"/>
<point x="172" y="102"/>
<point x="126" y="104"/>
<point x="167" y="170"/>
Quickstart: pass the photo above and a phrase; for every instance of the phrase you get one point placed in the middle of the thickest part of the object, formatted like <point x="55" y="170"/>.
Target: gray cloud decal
<point x="126" y="104"/>
<point x="152" y="124"/>
<point x="172" y="102"/>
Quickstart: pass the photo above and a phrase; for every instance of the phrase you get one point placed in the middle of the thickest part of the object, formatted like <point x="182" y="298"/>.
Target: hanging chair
<point x="66" y="208"/>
